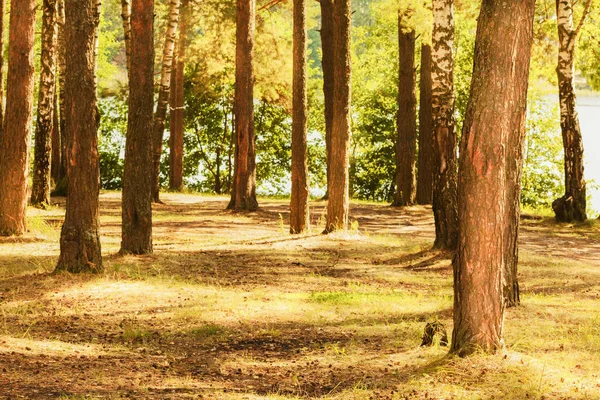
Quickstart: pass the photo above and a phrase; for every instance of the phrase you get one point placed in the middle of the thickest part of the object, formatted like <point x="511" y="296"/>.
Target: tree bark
<point x="444" y="131"/>
<point x="426" y="160"/>
<point x="61" y="175"/>
<point x="56" y="159"/>
<point x="40" y="192"/>
<point x="339" y="189"/>
<point x="80" y="242"/>
<point x="327" y="49"/>
<point x="177" y="111"/>
<point x="163" y="96"/>
<point x="137" y="176"/>
<point x="2" y="10"/>
<point x="299" y="218"/>
<point x="406" y="118"/>
<point x="14" y="148"/>
<point x="492" y="140"/>
<point x="572" y="206"/>
<point x="243" y="194"/>
<point x="126" y="18"/>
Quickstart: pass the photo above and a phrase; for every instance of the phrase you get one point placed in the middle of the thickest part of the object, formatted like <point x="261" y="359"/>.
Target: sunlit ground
<point x="231" y="306"/>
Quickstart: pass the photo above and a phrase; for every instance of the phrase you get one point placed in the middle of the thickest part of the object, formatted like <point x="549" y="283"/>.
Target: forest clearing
<point x="231" y="306"/>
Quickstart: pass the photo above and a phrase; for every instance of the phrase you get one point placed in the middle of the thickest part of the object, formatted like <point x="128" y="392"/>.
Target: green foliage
<point x="542" y="170"/>
<point x="111" y="143"/>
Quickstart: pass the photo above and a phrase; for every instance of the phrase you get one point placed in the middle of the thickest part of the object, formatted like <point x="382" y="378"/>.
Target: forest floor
<point x="230" y="306"/>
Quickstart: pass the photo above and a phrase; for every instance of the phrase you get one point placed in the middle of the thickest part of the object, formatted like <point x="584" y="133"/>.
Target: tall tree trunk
<point x="406" y="118"/>
<point x="56" y="158"/>
<point x="339" y="189"/>
<point x="14" y="148"/>
<point x="40" y="192"/>
<point x="61" y="175"/>
<point x="572" y="206"/>
<point x="126" y="18"/>
<point x="444" y="133"/>
<point x="426" y="160"/>
<point x="137" y="175"/>
<point x="163" y="96"/>
<point x="1" y="68"/>
<point x="492" y="140"/>
<point x="243" y="194"/>
<point x="177" y="130"/>
<point x="299" y="218"/>
<point x="80" y="241"/>
<point x="327" y="49"/>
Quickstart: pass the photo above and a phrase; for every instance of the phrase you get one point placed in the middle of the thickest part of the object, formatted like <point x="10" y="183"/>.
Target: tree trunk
<point x="126" y="17"/>
<point x="327" y="49"/>
<point x="137" y="176"/>
<point x="177" y="130"/>
<point x="163" y="96"/>
<point x="444" y="133"/>
<point x="40" y="192"/>
<point x="491" y="147"/>
<point x="61" y="176"/>
<point x="243" y="194"/>
<point x="56" y="159"/>
<point x="14" y="148"/>
<point x="339" y="188"/>
<point x="299" y="218"/>
<point x="1" y="68"/>
<point x="80" y="242"/>
<point x="572" y="206"/>
<point x="426" y="159"/>
<point x="406" y="123"/>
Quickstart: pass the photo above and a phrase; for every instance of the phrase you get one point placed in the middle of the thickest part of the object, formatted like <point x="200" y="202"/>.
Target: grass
<point x="230" y="306"/>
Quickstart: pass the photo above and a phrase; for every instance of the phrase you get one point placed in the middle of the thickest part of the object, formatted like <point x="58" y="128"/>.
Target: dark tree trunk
<point x="339" y="187"/>
<point x="572" y="206"/>
<point x="60" y="179"/>
<point x="177" y="111"/>
<point x="126" y="19"/>
<point x="137" y="176"/>
<point x="243" y="194"/>
<point x="80" y="241"/>
<point x="406" y="123"/>
<point x="163" y="96"/>
<point x="40" y="191"/>
<point x="491" y="150"/>
<point x="56" y="158"/>
<point x="327" y="49"/>
<point x="426" y="158"/>
<point x="444" y="133"/>
<point x="14" y="147"/>
<point x="299" y="218"/>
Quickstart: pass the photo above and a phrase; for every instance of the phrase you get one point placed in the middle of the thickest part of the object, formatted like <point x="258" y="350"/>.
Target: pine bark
<point x="492" y="140"/>
<point x="444" y="131"/>
<point x="327" y="49"/>
<point x="40" y="192"/>
<point x="61" y="175"/>
<point x="56" y="159"/>
<point x="126" y="19"/>
<point x="339" y="188"/>
<point x="14" y="147"/>
<point x="243" y="194"/>
<point x="177" y="110"/>
<point x="137" y="176"/>
<point x="406" y="118"/>
<point x="426" y="159"/>
<point x="80" y="242"/>
<point x="572" y="206"/>
<point x="163" y="96"/>
<point x="299" y="217"/>
<point x="2" y="10"/>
